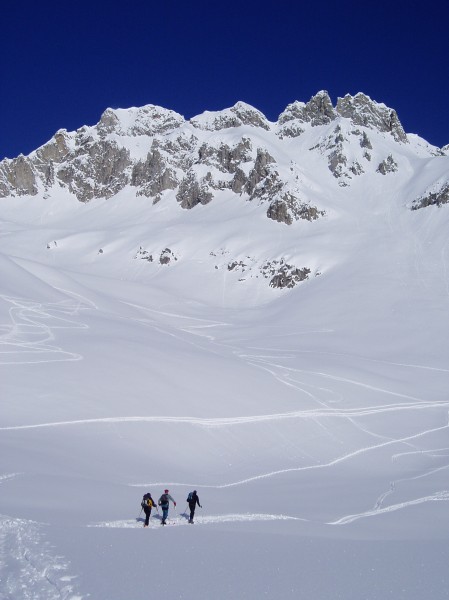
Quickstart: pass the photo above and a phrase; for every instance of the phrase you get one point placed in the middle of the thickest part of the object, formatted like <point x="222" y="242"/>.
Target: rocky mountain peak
<point x="368" y="113"/>
<point x="146" y="120"/>
<point x="360" y="109"/>
<point x="317" y="111"/>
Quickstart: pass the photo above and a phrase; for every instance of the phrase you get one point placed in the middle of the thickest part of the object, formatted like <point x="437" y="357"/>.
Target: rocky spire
<point x="317" y="111"/>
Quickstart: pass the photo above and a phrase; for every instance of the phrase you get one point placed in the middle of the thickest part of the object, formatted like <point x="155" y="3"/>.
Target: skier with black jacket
<point x="147" y="504"/>
<point x="193" y="500"/>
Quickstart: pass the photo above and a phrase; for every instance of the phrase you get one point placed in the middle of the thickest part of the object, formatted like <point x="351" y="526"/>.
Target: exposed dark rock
<point x="167" y="256"/>
<point x="99" y="170"/>
<point x="338" y="163"/>
<point x="224" y="158"/>
<point x="153" y="175"/>
<point x="239" y="181"/>
<point x="365" y="141"/>
<point x="55" y="151"/>
<point x="389" y="165"/>
<point x="289" y="208"/>
<point x="17" y="177"/>
<point x="433" y="198"/>
<point x="108" y="123"/>
<point x="260" y="171"/>
<point x="235" y="265"/>
<point x="144" y="255"/>
<point x="283" y="275"/>
<point x="192" y="192"/>
<point x="317" y="111"/>
<point x="268" y="188"/>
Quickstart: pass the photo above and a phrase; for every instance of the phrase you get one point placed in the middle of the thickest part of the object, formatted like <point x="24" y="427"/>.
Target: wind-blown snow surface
<point x="313" y="422"/>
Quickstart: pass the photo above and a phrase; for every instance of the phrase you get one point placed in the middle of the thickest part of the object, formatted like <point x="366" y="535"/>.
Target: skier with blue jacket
<point x="164" y="503"/>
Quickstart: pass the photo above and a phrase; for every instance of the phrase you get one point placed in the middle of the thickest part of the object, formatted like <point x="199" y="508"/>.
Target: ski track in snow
<point x="7" y="476"/>
<point x="182" y="519"/>
<point x="30" y="339"/>
<point x="326" y="465"/>
<point x="230" y="421"/>
<point x="442" y="496"/>
<point x="28" y="568"/>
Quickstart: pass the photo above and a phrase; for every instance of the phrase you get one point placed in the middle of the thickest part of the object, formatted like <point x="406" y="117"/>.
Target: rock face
<point x="98" y="169"/>
<point x="363" y="111"/>
<point x="192" y="192"/>
<point x="19" y="175"/>
<point x="153" y="175"/>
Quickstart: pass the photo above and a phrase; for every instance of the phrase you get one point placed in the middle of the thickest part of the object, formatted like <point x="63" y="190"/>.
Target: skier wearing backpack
<point x="193" y="500"/>
<point x="147" y="504"/>
<point x="164" y="503"/>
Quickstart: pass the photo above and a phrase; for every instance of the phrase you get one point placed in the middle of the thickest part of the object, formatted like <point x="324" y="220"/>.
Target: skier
<point x="147" y="504"/>
<point x="193" y="500"/>
<point x="164" y="503"/>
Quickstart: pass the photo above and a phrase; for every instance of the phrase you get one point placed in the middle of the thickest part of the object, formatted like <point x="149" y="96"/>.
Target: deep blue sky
<point x="63" y="63"/>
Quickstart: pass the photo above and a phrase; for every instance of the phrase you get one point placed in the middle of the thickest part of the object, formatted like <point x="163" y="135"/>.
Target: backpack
<point x="163" y="499"/>
<point x="190" y="497"/>
<point x="147" y="500"/>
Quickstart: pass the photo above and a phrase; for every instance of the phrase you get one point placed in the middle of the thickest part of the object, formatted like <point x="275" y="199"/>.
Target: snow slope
<point x="313" y="421"/>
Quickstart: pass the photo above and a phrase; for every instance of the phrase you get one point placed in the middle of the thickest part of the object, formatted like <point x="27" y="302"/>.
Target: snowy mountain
<point x="293" y="170"/>
<point x="255" y="310"/>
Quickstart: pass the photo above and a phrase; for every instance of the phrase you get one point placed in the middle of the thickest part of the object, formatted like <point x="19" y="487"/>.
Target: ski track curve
<point x="326" y="465"/>
<point x="30" y="337"/>
<point x="442" y="496"/>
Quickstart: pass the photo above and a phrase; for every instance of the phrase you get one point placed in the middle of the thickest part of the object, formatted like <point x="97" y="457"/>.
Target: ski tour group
<point x="164" y="502"/>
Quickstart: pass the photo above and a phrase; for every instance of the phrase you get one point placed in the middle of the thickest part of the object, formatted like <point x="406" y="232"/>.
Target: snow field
<point x="313" y="422"/>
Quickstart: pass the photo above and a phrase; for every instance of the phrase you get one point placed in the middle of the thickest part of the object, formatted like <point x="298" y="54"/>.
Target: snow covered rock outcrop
<point x="240" y="114"/>
<point x="436" y="195"/>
